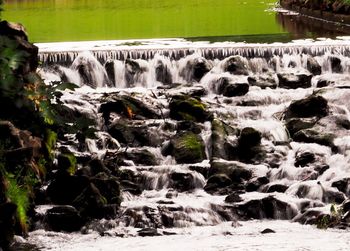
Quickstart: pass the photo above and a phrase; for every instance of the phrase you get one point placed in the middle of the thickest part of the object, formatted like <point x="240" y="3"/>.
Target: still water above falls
<point x="212" y="20"/>
<point x="201" y="138"/>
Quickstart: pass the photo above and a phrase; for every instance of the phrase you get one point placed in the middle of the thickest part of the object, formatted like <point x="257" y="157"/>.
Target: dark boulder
<point x="108" y="186"/>
<point x="268" y="231"/>
<point x="237" y="172"/>
<point x="183" y="107"/>
<point x="304" y="158"/>
<point x="233" y="198"/>
<point x="109" y="67"/>
<point x="236" y="65"/>
<point x="195" y="69"/>
<point x="263" y="81"/>
<point x="188" y="147"/>
<point x="182" y="181"/>
<point x="313" y="66"/>
<point x="148" y="232"/>
<point x="256" y="183"/>
<point x="127" y="106"/>
<point x="64" y="218"/>
<point x="315" y="136"/>
<point x="249" y="147"/>
<point x="217" y="181"/>
<point x="311" y="106"/>
<point x="163" y="73"/>
<point x="228" y="88"/>
<point x="271" y="188"/>
<point x="138" y="156"/>
<point x="343" y="185"/>
<point x="323" y="83"/>
<point x="267" y="208"/>
<point x="336" y="64"/>
<point x="134" y="134"/>
<point x="294" y="125"/>
<point x="294" y="81"/>
<point x="8" y="212"/>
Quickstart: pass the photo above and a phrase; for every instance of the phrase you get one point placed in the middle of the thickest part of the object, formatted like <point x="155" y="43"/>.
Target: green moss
<point x="50" y="139"/>
<point x="19" y="195"/>
<point x="189" y="148"/>
<point x="68" y="162"/>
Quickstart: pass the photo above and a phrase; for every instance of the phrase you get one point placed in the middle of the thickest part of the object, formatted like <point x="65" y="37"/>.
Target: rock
<point x="127" y="106"/>
<point x="18" y="35"/>
<point x="188" y="147"/>
<point x="311" y="106"/>
<point x="267" y="208"/>
<point x="131" y="187"/>
<point x="8" y="213"/>
<point x="314" y="136"/>
<point x="256" y="183"/>
<point x="109" y="67"/>
<point x="313" y="66"/>
<point x="195" y="68"/>
<point x="296" y="124"/>
<point x="217" y="181"/>
<point x="343" y="185"/>
<point x="219" y="134"/>
<point x="108" y="186"/>
<point x="171" y="194"/>
<point x="182" y="181"/>
<point x="67" y="162"/>
<point x="263" y="81"/>
<point x="134" y="135"/>
<point x="186" y="125"/>
<point x="346" y="206"/>
<point x="134" y="70"/>
<point x="323" y="83"/>
<point x="229" y="89"/>
<point x="336" y="65"/>
<point x="163" y="73"/>
<point x="249" y="148"/>
<point x="304" y="158"/>
<point x="234" y="170"/>
<point x="310" y="216"/>
<point x="235" y="65"/>
<point x="64" y="218"/>
<point x="268" y="231"/>
<point x="271" y="188"/>
<point x="184" y="107"/>
<point x="294" y="81"/>
<point x="138" y="156"/>
<point x="148" y="232"/>
<point x="91" y="72"/>
<point x="233" y="198"/>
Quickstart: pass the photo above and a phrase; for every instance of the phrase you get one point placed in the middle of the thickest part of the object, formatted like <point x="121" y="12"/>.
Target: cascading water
<point x="274" y="120"/>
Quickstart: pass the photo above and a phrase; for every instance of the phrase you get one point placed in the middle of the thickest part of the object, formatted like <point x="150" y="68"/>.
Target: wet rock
<point x="171" y="194"/>
<point x="233" y="89"/>
<point x="148" y="232"/>
<point x="184" y="107"/>
<point x="186" y="125"/>
<point x="312" y="106"/>
<point x="233" y="198"/>
<point x="195" y="69"/>
<point x="139" y="157"/>
<point x="134" y="135"/>
<point x="64" y="218"/>
<point x="182" y="181"/>
<point x="267" y="208"/>
<point x="268" y="231"/>
<point x="90" y="70"/>
<point x="315" y="136"/>
<point x="271" y="188"/>
<point x="303" y="159"/>
<point x="310" y="216"/>
<point x="336" y="64"/>
<point x="313" y="66"/>
<point x="249" y="148"/>
<point x="323" y="83"/>
<point x="163" y="73"/>
<point x="346" y="206"/>
<point x="236" y="65"/>
<point x="134" y="70"/>
<point x="235" y="171"/>
<point x="343" y="185"/>
<point x="131" y="187"/>
<point x="200" y="169"/>
<point x="108" y="186"/>
<point x="294" y="81"/>
<point x="109" y="67"/>
<point x="128" y="107"/>
<point x="256" y="183"/>
<point x="220" y="132"/>
<point x="296" y="124"/>
<point x="217" y="181"/>
<point x="188" y="147"/>
<point x="263" y="81"/>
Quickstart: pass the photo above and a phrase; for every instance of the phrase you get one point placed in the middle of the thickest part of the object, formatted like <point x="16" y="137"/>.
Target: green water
<point x="78" y="20"/>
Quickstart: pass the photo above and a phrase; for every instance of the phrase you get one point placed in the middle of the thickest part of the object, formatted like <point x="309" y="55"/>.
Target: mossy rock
<point x="67" y="162"/>
<point x="188" y="147"/>
<point x="237" y="173"/>
<point x="183" y="107"/>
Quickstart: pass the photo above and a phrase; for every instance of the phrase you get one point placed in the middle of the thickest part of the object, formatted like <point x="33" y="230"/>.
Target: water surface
<point x="78" y="20"/>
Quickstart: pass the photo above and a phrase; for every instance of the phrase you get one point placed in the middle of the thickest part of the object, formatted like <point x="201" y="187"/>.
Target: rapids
<point x="292" y="176"/>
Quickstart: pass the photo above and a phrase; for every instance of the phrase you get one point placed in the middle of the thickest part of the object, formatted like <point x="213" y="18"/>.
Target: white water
<point x="198" y="219"/>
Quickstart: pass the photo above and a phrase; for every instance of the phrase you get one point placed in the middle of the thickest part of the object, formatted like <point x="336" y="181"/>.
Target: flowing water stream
<point x="296" y="172"/>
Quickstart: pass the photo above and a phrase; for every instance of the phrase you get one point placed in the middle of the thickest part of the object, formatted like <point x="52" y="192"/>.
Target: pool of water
<point x="77" y="20"/>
